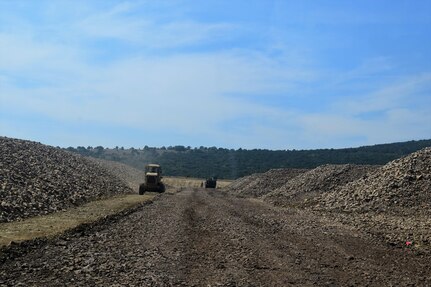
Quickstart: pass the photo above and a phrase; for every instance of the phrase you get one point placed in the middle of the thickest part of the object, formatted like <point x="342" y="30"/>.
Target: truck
<point x="153" y="179"/>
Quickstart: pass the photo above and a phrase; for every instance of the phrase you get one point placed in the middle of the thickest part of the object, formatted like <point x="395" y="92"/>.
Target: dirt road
<point x="207" y="238"/>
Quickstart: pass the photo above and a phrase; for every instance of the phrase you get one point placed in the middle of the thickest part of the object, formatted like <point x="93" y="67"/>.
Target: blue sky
<point x="250" y="74"/>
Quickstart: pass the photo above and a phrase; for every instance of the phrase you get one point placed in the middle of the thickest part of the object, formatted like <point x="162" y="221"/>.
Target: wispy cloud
<point x="149" y="31"/>
<point x="397" y="94"/>
<point x="397" y="111"/>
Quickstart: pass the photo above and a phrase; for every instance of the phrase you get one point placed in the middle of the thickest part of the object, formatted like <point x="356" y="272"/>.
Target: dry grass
<point x="56" y="223"/>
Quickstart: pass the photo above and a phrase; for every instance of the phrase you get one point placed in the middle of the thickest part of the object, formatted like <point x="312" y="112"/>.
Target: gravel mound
<point x="321" y="179"/>
<point x="38" y="179"/>
<point x="130" y="175"/>
<point x="402" y="186"/>
<point x="260" y="184"/>
<point x="241" y="183"/>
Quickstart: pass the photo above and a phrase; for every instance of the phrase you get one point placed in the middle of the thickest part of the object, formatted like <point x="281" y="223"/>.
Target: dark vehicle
<point x="210" y="182"/>
<point x="153" y="179"/>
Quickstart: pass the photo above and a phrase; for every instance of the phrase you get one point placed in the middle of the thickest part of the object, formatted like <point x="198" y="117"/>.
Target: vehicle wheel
<point x="142" y="189"/>
<point x="162" y="188"/>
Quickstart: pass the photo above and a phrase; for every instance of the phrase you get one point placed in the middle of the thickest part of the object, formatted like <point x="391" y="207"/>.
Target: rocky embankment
<point x="130" y="175"/>
<point x="38" y="179"/>
<point x="402" y="186"/>
<point x="392" y="202"/>
<point x="260" y="184"/>
<point x="322" y="179"/>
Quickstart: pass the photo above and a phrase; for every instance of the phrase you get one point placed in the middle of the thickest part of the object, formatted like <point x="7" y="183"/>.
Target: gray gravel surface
<point x="209" y="238"/>
<point x="39" y="179"/>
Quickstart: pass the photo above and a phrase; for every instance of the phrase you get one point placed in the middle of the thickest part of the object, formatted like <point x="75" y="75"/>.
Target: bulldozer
<point x="210" y="182"/>
<point x="153" y="179"/>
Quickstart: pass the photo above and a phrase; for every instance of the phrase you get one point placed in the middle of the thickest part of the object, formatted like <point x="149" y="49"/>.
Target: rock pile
<point x="237" y="186"/>
<point x="260" y="184"/>
<point x="130" y="175"/>
<point x="392" y="202"/>
<point x="311" y="183"/>
<point x="402" y="186"/>
<point x="38" y="179"/>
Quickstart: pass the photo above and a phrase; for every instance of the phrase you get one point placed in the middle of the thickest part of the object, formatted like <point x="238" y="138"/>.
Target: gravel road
<point x="208" y="238"/>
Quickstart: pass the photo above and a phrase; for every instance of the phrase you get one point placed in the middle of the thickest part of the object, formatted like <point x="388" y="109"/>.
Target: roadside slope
<point x="259" y="184"/>
<point x="393" y="202"/>
<point x="133" y="177"/>
<point x="37" y="179"/>
<point x="320" y="180"/>
<point x="402" y="186"/>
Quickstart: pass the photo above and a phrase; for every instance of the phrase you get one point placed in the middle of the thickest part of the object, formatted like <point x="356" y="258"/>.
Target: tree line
<point x="225" y="163"/>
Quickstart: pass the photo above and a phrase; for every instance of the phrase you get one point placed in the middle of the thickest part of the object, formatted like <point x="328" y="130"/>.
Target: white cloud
<point x="18" y="52"/>
<point x="327" y="130"/>
<point x="147" y="31"/>
<point x="393" y="95"/>
<point x="187" y="93"/>
<point x="399" y="111"/>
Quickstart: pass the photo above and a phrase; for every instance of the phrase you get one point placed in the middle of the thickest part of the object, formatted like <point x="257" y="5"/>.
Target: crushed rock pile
<point x="131" y="176"/>
<point x="239" y="184"/>
<point x="37" y="179"/>
<point x="402" y="186"/>
<point x="313" y="182"/>
<point x="260" y="184"/>
<point x="391" y="202"/>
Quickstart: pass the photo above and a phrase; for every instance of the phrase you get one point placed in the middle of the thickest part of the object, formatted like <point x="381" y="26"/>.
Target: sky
<point x="249" y="74"/>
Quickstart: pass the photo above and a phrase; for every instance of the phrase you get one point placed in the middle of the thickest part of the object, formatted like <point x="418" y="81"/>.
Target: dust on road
<point x="208" y="238"/>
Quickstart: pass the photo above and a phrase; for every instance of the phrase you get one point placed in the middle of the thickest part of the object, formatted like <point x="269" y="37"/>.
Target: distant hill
<point x="231" y="164"/>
